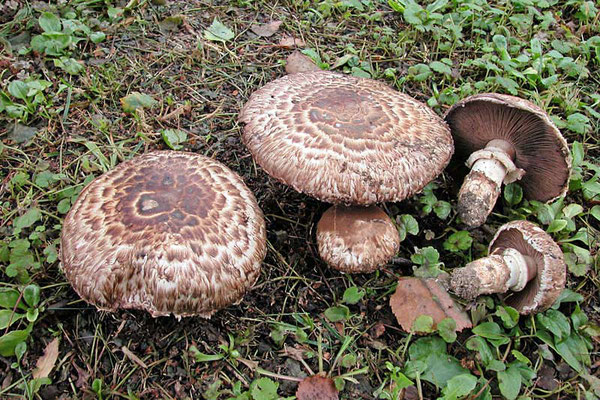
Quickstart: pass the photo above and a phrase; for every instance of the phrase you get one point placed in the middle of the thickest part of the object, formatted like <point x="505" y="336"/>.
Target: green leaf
<point x="513" y="193"/>
<point x="136" y="100"/>
<point x="509" y="382"/>
<point x="439" y="367"/>
<point x="31" y="294"/>
<point x="29" y="218"/>
<point x="459" y="386"/>
<point x="458" y="241"/>
<point x="508" y="315"/>
<point x="423" y="324"/>
<point x="353" y="295"/>
<point x="338" y="313"/>
<point x="97" y="37"/>
<point x="8" y="317"/>
<point x="18" y="89"/>
<point x="442" y="209"/>
<point x="407" y="224"/>
<point x="202" y="357"/>
<point x="440" y="67"/>
<point x="595" y="212"/>
<point x="479" y="344"/>
<point x="218" y="32"/>
<point x="492" y="332"/>
<point x="557" y="225"/>
<point x="9" y="299"/>
<point x="9" y="341"/>
<point x="63" y="206"/>
<point x="567" y="296"/>
<point x="447" y="330"/>
<point x="264" y="389"/>
<point x="556" y="322"/>
<point x="69" y="65"/>
<point x="173" y="138"/>
<point x="49" y="22"/>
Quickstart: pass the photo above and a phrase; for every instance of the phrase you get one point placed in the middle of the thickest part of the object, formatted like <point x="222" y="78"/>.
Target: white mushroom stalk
<point x="525" y="264"/>
<point x="497" y="273"/>
<point x="490" y="168"/>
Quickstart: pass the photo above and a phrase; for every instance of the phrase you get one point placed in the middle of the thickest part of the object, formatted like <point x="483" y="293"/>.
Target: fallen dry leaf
<point x="415" y="297"/>
<point x="266" y="30"/>
<point x="46" y="362"/>
<point x="291" y="42"/>
<point x="298" y="62"/>
<point x="133" y="357"/>
<point x="317" y="387"/>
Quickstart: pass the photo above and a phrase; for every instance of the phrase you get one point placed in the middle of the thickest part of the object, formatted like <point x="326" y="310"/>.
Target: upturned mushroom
<point x="524" y="262"/>
<point x="167" y="232"/>
<point x="347" y="141"/>
<point x="506" y="139"/>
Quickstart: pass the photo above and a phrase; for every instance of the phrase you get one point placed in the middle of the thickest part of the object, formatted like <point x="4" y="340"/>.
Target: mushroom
<point x="505" y="139"/>
<point x="523" y="260"/>
<point x="356" y="239"/>
<point x="166" y="232"/>
<point x="345" y="140"/>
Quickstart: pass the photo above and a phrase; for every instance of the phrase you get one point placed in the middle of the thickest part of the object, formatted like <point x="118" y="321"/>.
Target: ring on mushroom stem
<point x="506" y="139"/>
<point x="524" y="261"/>
<point x="345" y="140"/>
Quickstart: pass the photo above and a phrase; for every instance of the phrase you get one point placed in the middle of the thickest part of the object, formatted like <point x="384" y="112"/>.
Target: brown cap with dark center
<point x="343" y="139"/>
<point x="356" y="239"/>
<point x="167" y="232"/>
<point x="539" y="148"/>
<point x="530" y="240"/>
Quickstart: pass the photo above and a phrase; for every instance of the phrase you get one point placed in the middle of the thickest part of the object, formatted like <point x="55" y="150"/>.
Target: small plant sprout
<point x="506" y="139"/>
<point x="524" y="262"/>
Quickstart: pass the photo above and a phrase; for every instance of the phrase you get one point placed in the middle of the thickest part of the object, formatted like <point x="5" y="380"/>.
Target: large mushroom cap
<point x="530" y="240"/>
<point x="343" y="139"/>
<point x="356" y="239"/>
<point x="167" y="232"/>
<point x="539" y="147"/>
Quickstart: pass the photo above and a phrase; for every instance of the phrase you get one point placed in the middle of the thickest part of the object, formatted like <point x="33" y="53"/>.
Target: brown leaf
<point x="317" y="388"/>
<point x="289" y="42"/>
<point x="415" y="297"/>
<point x="133" y="357"/>
<point x="46" y="362"/>
<point x="298" y="62"/>
<point x="266" y="30"/>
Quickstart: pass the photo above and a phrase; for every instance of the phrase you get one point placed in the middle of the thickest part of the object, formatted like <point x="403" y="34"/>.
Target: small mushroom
<point x="415" y="297"/>
<point x="345" y="140"/>
<point x="506" y="139"/>
<point x="167" y="232"/>
<point x="356" y="239"/>
<point x="524" y="260"/>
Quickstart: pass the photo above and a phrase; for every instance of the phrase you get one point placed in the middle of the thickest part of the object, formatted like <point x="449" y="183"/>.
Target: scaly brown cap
<point x="356" y="239"/>
<point x="530" y="240"/>
<point x="167" y="232"/>
<point x="343" y="139"/>
<point x="540" y="149"/>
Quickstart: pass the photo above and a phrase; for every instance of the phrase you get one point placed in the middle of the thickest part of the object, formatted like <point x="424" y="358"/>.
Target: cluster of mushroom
<point x="355" y="142"/>
<point x="175" y="232"/>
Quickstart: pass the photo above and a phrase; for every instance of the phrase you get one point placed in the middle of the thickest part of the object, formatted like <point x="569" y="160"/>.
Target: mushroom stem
<point x="490" y="167"/>
<point x="497" y="273"/>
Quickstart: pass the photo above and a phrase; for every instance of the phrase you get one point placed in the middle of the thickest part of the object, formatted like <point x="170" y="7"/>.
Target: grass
<point x="65" y="123"/>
